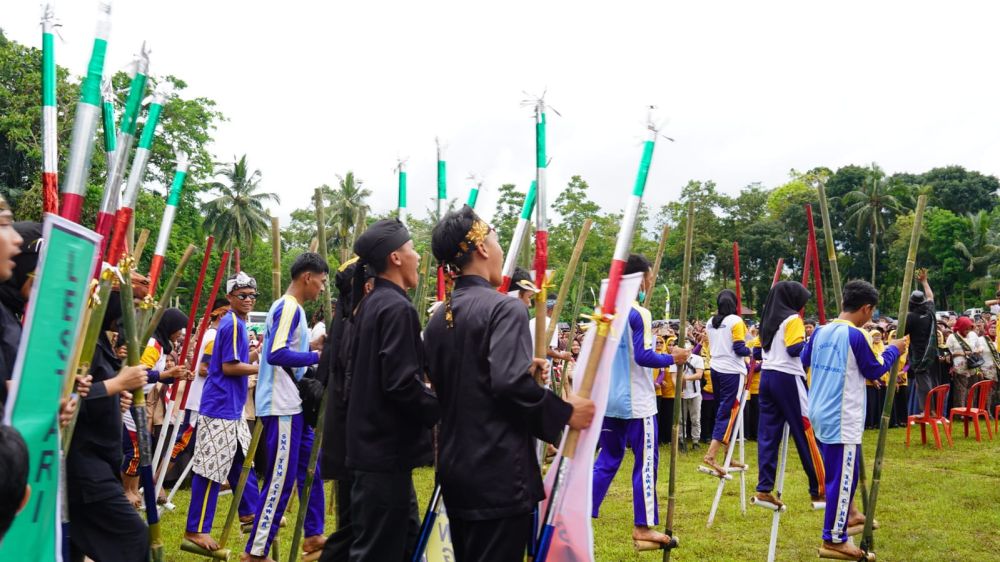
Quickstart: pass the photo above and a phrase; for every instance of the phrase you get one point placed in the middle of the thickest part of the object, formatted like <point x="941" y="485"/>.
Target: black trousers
<point x="108" y="530"/>
<point x="384" y="517"/>
<point x="492" y="540"/>
<point x="751" y="417"/>
<point x="338" y="544"/>
<point x="665" y="418"/>
<point x="709" y="408"/>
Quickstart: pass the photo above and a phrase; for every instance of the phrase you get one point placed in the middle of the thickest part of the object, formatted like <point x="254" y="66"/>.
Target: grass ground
<point x="933" y="505"/>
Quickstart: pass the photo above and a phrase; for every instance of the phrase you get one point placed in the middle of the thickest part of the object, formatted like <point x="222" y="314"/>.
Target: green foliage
<point x="237" y="216"/>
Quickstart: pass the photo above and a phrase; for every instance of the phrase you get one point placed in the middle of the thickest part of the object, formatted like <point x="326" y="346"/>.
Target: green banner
<point x="51" y="327"/>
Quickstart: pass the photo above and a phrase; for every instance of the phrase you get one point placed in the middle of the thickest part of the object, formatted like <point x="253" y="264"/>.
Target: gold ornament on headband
<point x="476" y="236"/>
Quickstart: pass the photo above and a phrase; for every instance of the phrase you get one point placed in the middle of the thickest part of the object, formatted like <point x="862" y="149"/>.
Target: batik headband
<point x="477" y="235"/>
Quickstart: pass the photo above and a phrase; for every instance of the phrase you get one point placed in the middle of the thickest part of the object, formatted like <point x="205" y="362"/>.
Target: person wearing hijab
<point x="103" y="524"/>
<point x="968" y="355"/>
<point x="631" y="416"/>
<point x="726" y="334"/>
<point x="154" y="358"/>
<point x="11" y="303"/>
<point x="285" y="354"/>
<point x="783" y="395"/>
<point x="332" y="365"/>
<point x="218" y="457"/>
<point x="390" y="409"/>
<point x="479" y="354"/>
<point x="842" y="359"/>
<point x="920" y="322"/>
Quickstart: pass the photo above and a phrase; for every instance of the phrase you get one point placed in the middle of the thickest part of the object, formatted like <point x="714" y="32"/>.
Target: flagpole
<point x="816" y="268"/>
<point x="401" y="206"/>
<point x="868" y="538"/>
<point x="603" y="318"/>
<point x="85" y="123"/>
<point x="167" y="223"/>
<point x="108" y="120"/>
<point x="510" y="258"/>
<point x="50" y="139"/>
<point x="679" y="382"/>
<point x="541" y="230"/>
<point x="442" y="196"/>
<point x="124" y="215"/>
<point x="574" y="259"/>
<point x="831" y="250"/>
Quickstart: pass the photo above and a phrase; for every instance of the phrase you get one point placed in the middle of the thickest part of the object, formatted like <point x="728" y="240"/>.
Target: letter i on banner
<point x="52" y="323"/>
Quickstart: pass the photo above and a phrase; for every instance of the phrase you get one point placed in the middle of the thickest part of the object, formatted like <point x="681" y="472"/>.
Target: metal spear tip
<point x="183" y="159"/>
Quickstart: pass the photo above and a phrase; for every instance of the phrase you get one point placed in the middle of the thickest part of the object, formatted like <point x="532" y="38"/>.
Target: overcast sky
<point x="751" y="89"/>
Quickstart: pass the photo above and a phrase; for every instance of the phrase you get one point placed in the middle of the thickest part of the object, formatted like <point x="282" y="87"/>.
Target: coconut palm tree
<point x="349" y="213"/>
<point x="981" y="248"/>
<point x="871" y="206"/>
<point x="237" y="215"/>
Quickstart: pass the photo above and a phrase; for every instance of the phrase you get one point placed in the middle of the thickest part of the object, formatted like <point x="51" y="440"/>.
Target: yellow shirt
<point x="755" y="376"/>
<point x="666" y="389"/>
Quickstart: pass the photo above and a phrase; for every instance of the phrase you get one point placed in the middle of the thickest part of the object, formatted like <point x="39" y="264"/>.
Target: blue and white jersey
<point x="286" y="344"/>
<point x="842" y="357"/>
<point x="632" y="394"/>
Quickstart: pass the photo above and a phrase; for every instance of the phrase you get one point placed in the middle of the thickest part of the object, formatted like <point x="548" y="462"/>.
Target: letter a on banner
<point x="52" y="325"/>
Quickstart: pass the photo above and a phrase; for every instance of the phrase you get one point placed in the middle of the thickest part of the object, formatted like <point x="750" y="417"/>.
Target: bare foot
<point x="710" y="463"/>
<point x="649" y="534"/>
<point x="203" y="540"/>
<point x="733" y="463"/>
<point x="767" y="499"/>
<point x="313" y="543"/>
<point x="245" y="519"/>
<point x="846" y="549"/>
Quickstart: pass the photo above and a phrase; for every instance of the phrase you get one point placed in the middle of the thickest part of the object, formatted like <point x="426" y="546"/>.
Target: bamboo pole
<point x="679" y="377"/>
<point x="581" y="241"/>
<point x="831" y="251"/>
<point x="868" y="539"/>
<point x="275" y="258"/>
<point x="140" y="245"/>
<point x="421" y="293"/>
<point x="168" y="293"/>
<point x="656" y="265"/>
<point x="306" y="491"/>
<point x="321" y="235"/>
<point x="578" y="301"/>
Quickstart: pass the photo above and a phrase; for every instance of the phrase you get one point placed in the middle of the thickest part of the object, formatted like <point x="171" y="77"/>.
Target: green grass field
<point x="933" y="504"/>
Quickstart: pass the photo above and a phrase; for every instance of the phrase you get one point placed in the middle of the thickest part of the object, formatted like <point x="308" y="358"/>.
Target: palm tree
<point x="349" y="213"/>
<point x="869" y="207"/>
<point x="981" y="248"/>
<point x="237" y="215"/>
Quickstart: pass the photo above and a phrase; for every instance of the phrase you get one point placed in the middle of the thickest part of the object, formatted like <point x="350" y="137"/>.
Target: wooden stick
<point x="322" y="249"/>
<point x="831" y="250"/>
<point x="868" y="539"/>
<point x="656" y="265"/>
<point x="567" y="280"/>
<point x="275" y="258"/>
<point x="168" y="293"/>
<point x="140" y="245"/>
<point x="578" y="301"/>
<point x="679" y="378"/>
<point x="736" y="275"/>
<point x="817" y="273"/>
<point x="421" y="293"/>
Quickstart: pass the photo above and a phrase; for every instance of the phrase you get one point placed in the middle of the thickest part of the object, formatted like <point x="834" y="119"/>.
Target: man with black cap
<point x="103" y="524"/>
<point x="920" y="324"/>
<point x="390" y="408"/>
<point x="223" y="437"/>
<point x="480" y="360"/>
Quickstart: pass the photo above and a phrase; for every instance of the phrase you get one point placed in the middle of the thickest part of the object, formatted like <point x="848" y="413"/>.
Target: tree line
<point x="871" y="211"/>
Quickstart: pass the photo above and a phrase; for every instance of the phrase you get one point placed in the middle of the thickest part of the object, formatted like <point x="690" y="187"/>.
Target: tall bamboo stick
<point x="868" y="539"/>
<point x="656" y="265"/>
<point x="581" y="241"/>
<point x="831" y="250"/>
<point x="321" y="234"/>
<point x="578" y="301"/>
<point x="679" y="377"/>
<point x="275" y="258"/>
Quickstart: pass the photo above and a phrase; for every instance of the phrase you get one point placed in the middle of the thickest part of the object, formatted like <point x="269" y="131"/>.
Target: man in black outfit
<point x="390" y="408"/>
<point x="480" y="361"/>
<point x="920" y="326"/>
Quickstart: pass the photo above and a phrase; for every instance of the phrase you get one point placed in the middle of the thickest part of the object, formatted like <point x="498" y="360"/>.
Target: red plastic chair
<point x="976" y="407"/>
<point x="933" y="416"/>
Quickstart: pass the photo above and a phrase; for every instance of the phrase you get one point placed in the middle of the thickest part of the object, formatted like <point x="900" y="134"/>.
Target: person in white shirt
<point x="694" y="371"/>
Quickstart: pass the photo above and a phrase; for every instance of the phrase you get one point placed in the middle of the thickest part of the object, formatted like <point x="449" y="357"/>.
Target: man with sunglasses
<point x="222" y="434"/>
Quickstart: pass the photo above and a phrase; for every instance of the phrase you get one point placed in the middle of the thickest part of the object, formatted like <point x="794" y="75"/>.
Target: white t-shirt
<point x="693" y="388"/>
<point x="194" y="395"/>
<point x="318" y="330"/>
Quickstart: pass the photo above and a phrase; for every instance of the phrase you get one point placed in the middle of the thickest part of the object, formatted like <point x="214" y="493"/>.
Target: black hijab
<point x="24" y="266"/>
<point x="783" y="300"/>
<point x="173" y="320"/>
<point x="727" y="305"/>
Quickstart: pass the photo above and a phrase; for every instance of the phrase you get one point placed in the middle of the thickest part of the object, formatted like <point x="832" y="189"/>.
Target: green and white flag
<point x="52" y="324"/>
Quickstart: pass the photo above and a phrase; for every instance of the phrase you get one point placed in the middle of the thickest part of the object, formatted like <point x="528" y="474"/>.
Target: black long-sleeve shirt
<point x="390" y="410"/>
<point x="492" y="409"/>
